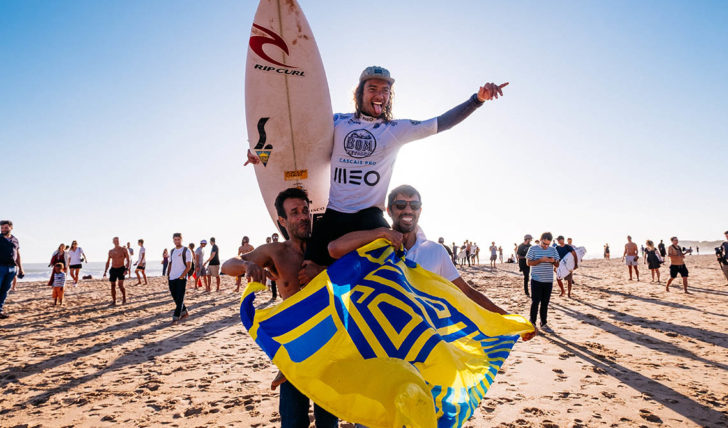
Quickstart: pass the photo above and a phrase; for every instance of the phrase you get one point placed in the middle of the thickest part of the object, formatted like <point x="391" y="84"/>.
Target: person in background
<point x="500" y="254"/>
<point x="606" y="251"/>
<point x="141" y="263"/>
<point x="454" y="253"/>
<point x="180" y="262"/>
<point x="59" y="256"/>
<point x="630" y="257"/>
<point x="57" y="281"/>
<point x="564" y="249"/>
<point x="200" y="271"/>
<point x="76" y="257"/>
<point x="441" y="241"/>
<point x="10" y="263"/>
<point x="677" y="265"/>
<point x="653" y="260"/>
<point x="476" y="253"/>
<point x="191" y="272"/>
<point x="724" y="255"/>
<point x="120" y="263"/>
<point x="130" y="250"/>
<point x="521" y="252"/>
<point x="661" y="248"/>
<point x="543" y="259"/>
<point x="493" y="255"/>
<point x="244" y="248"/>
<point x="213" y="265"/>
<point x="165" y="261"/>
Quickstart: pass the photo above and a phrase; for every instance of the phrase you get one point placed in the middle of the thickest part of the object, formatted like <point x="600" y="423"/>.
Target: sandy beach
<point x="622" y="354"/>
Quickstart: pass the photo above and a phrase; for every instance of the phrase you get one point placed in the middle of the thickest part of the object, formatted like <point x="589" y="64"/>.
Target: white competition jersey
<point x="363" y="158"/>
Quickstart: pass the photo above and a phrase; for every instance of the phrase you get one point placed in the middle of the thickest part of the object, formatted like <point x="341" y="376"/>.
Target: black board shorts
<point x="678" y="269"/>
<point x="142" y="267"/>
<point x="333" y="225"/>
<point x="116" y="274"/>
<point x="75" y="266"/>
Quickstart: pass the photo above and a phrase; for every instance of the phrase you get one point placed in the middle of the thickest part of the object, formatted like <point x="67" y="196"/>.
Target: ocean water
<point x="42" y="272"/>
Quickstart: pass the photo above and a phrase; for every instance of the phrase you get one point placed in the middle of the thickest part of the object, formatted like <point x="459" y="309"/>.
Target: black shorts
<point x="116" y="273"/>
<point x="333" y="225"/>
<point x="678" y="269"/>
<point x="75" y="266"/>
<point x="142" y="267"/>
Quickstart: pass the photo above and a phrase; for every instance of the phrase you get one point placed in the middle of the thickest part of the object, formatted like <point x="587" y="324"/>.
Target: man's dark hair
<point x="560" y="237"/>
<point x="4" y="222"/>
<point x="212" y="240"/>
<point x="404" y="189"/>
<point x="290" y="193"/>
<point x="673" y="238"/>
<point x="547" y="236"/>
<point x="141" y="241"/>
<point x="359" y="100"/>
<point x="177" y="235"/>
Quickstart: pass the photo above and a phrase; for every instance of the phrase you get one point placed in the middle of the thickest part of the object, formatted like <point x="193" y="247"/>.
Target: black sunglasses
<point x="400" y="204"/>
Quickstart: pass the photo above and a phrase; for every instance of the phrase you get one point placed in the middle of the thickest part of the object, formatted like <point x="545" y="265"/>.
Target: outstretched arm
<point x="458" y="113"/>
<point x="353" y="240"/>
<point x="250" y="264"/>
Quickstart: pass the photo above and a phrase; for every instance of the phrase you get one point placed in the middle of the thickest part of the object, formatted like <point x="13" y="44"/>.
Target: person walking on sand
<point x="476" y="253"/>
<point x="606" y="251"/>
<point x="564" y="249"/>
<point x="212" y="265"/>
<point x="180" y="262"/>
<point x="76" y="257"/>
<point x="193" y="269"/>
<point x="10" y="263"/>
<point x="543" y="259"/>
<point x="244" y="248"/>
<point x="630" y="257"/>
<point x="521" y="252"/>
<point x="661" y="248"/>
<point x="677" y="265"/>
<point x="493" y="255"/>
<point x="654" y="260"/>
<point x="500" y="254"/>
<point x="141" y="263"/>
<point x="724" y="256"/>
<point x="59" y="256"/>
<point x="454" y="253"/>
<point x="286" y="259"/>
<point x="120" y="261"/>
<point x="201" y="277"/>
<point x="57" y="281"/>
<point x="165" y="261"/>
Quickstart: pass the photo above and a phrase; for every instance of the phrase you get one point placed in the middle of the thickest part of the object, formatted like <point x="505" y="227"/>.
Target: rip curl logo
<point x="360" y="143"/>
<point x="257" y="42"/>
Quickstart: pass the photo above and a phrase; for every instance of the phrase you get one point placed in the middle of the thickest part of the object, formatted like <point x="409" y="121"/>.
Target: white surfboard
<point x="287" y="105"/>
<point x="566" y="266"/>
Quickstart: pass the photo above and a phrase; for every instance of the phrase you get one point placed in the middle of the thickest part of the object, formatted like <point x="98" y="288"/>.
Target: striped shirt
<point x="59" y="279"/>
<point x="543" y="272"/>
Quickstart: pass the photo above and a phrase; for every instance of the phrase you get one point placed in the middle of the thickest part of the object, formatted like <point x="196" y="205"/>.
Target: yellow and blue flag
<point x="378" y="340"/>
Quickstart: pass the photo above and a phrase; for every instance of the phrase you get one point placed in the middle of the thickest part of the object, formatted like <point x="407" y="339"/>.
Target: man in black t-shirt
<point x="522" y="266"/>
<point x="213" y="263"/>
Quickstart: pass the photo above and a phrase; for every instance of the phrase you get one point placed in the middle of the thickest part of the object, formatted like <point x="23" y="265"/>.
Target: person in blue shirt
<point x="564" y="249"/>
<point x="543" y="259"/>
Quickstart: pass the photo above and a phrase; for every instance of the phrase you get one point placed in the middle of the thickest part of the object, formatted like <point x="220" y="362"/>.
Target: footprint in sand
<point x="649" y="416"/>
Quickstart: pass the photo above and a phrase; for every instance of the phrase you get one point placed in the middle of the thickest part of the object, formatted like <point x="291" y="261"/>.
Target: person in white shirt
<point x="76" y="257"/>
<point x="404" y="207"/>
<point x="366" y="144"/>
<point x="141" y="263"/>
<point x="180" y="262"/>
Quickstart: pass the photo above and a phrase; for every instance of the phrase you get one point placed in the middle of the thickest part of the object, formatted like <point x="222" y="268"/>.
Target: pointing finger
<point x="503" y="85"/>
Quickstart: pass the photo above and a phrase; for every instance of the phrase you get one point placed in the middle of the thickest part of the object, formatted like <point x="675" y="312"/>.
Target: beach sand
<point x="622" y="354"/>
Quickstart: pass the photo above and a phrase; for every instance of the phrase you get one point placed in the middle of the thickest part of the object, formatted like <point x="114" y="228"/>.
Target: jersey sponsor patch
<point x="360" y="143"/>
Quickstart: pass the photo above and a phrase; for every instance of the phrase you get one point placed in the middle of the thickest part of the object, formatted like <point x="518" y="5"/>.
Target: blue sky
<point x="127" y="118"/>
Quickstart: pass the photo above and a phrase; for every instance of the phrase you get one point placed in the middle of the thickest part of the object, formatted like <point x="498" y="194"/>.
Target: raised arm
<point x="353" y="240"/>
<point x="458" y="113"/>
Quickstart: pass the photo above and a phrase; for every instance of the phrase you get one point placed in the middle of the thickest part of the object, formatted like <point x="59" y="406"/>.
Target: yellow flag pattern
<point x="378" y="340"/>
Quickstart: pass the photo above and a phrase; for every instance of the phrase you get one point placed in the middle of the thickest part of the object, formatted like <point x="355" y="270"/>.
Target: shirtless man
<point x="283" y="261"/>
<point x="244" y="248"/>
<point x="677" y="264"/>
<point x="630" y="257"/>
<point x="119" y="259"/>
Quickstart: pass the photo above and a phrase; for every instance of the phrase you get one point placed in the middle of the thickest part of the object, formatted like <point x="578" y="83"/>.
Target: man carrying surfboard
<point x="366" y="143"/>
